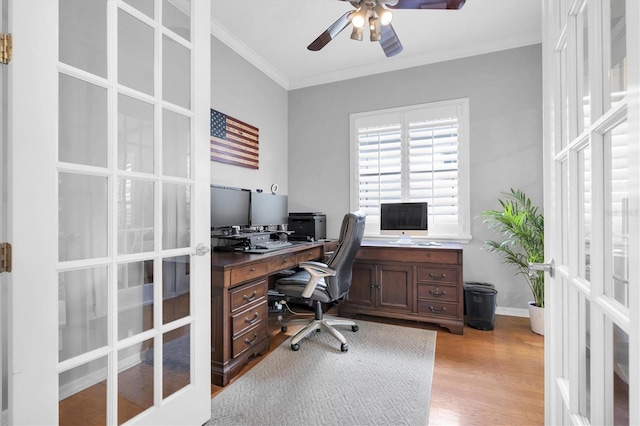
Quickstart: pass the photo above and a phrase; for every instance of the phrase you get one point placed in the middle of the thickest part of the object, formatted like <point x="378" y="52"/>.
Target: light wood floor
<point x="480" y="378"/>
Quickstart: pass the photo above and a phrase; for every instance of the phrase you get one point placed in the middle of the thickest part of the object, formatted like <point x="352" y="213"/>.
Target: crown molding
<point x="400" y="63"/>
<point x="221" y="33"/>
<point x="379" y="67"/>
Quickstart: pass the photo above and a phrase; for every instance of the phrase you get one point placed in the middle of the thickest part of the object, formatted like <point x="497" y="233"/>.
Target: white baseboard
<point x="514" y="312"/>
<point x="95" y="377"/>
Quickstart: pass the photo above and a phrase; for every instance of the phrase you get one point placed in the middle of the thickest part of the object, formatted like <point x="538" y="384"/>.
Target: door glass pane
<point x="135" y="135"/>
<point x="135" y="53"/>
<point x="618" y="49"/>
<point x="564" y="100"/>
<point x="82" y="119"/>
<point x="620" y="376"/>
<point x="176" y="360"/>
<point x="135" y="298"/>
<point x="83" y="394"/>
<point x="617" y="153"/>
<point x="584" y="207"/>
<point x="135" y="216"/>
<point x="176" y="216"/>
<point x="176" y="144"/>
<point x="144" y="6"/>
<point x="564" y="205"/>
<point x="176" y="287"/>
<point x="585" y="357"/>
<point x="82" y="216"/>
<point x="584" y="91"/>
<point x="135" y="380"/>
<point x="176" y="73"/>
<point x="83" y="35"/>
<point x="177" y="17"/>
<point x="82" y="311"/>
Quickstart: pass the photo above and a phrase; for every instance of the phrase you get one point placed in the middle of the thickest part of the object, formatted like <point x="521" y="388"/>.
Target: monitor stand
<point x="404" y="240"/>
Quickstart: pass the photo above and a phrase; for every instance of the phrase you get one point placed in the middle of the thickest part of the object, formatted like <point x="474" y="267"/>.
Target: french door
<point x="591" y="51"/>
<point x="108" y="212"/>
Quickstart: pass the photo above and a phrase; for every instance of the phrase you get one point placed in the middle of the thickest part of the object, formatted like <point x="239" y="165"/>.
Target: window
<point x="416" y="153"/>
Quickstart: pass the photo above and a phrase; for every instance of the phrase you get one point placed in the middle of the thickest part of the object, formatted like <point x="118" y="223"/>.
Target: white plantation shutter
<point x="416" y="153"/>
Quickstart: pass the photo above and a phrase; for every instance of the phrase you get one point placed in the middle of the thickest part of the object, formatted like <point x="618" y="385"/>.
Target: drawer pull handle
<point x="437" y="311"/>
<point x="251" y="342"/>
<point x="251" y="320"/>
<point x="433" y="277"/>
<point x="437" y="292"/>
<point x="253" y="269"/>
<point x="250" y="298"/>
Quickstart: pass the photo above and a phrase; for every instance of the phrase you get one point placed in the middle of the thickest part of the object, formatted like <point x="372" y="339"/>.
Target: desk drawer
<point x="240" y="322"/>
<point x="437" y="275"/>
<point x="249" y="338"/>
<point x="248" y="294"/>
<point x="282" y="262"/>
<point x="313" y="254"/>
<point x="444" y="293"/>
<point x="437" y="308"/>
<point x="249" y="272"/>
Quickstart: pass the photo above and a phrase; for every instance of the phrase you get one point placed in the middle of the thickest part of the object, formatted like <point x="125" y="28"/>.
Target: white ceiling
<point x="274" y="35"/>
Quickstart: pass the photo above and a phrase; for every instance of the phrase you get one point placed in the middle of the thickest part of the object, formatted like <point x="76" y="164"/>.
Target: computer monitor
<point x="229" y="207"/>
<point x="269" y="209"/>
<point x="404" y="220"/>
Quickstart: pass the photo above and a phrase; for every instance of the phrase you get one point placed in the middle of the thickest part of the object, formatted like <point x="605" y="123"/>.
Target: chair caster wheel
<point x="283" y="328"/>
<point x="295" y="347"/>
<point x="355" y="328"/>
<point x="344" y="347"/>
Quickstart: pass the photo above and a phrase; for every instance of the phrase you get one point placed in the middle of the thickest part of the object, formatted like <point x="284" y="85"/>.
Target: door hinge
<point x="6" y="48"/>
<point x="5" y="257"/>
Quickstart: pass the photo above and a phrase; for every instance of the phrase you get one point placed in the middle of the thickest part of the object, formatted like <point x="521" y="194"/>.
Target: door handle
<point x="202" y="249"/>
<point x="549" y="267"/>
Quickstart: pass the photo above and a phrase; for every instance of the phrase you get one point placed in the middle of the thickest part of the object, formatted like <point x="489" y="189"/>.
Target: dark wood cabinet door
<point x="363" y="285"/>
<point x="395" y="288"/>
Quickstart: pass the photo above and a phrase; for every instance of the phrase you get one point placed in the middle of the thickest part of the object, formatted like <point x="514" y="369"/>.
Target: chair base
<point x="320" y="323"/>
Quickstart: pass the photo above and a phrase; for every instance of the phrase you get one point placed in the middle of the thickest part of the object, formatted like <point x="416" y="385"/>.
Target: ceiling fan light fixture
<point x="359" y="17"/>
<point x="356" y="34"/>
<point x="384" y="14"/>
<point x="374" y="34"/>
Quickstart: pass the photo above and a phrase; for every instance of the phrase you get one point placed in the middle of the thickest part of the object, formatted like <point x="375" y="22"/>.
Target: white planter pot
<point x="536" y="316"/>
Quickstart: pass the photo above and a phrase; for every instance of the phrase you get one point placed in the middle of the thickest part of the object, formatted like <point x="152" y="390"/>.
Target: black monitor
<point x="269" y="209"/>
<point x="229" y="207"/>
<point x="404" y="220"/>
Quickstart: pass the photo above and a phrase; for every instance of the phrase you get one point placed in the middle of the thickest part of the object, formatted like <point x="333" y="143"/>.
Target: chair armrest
<point x="317" y="271"/>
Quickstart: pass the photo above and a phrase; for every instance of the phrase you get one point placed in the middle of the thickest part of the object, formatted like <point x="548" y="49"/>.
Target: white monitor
<point x="404" y="220"/>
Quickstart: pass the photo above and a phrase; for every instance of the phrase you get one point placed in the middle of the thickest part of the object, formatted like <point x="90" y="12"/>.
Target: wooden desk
<point x="412" y="282"/>
<point x="239" y="311"/>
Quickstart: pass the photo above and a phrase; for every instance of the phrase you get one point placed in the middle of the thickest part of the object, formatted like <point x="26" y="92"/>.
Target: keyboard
<point x="268" y="246"/>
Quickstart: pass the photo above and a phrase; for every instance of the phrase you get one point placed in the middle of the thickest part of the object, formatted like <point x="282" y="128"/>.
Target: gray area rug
<point x="384" y="379"/>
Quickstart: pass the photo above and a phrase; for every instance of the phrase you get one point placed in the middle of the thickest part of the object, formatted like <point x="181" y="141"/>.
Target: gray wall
<point x="505" y="96"/>
<point x="242" y="91"/>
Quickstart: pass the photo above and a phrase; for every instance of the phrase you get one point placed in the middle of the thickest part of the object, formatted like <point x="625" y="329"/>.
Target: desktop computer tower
<point x="307" y="226"/>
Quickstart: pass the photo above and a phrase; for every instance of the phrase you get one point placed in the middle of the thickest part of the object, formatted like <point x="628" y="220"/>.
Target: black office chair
<point x="326" y="282"/>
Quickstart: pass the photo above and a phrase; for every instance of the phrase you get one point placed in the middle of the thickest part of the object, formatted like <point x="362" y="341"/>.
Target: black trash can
<point x="480" y="302"/>
<point x="466" y="285"/>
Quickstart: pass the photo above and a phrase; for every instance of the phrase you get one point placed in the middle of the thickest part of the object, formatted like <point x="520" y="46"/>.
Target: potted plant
<point x="521" y="225"/>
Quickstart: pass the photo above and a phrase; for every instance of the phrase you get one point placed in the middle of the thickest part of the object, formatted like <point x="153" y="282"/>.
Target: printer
<point x="309" y="226"/>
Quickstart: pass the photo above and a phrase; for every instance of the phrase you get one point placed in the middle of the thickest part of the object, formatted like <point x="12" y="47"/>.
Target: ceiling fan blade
<point x="331" y="32"/>
<point x="389" y="41"/>
<point x="425" y="4"/>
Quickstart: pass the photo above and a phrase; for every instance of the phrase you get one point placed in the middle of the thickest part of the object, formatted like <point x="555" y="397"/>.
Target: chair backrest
<point x="341" y="260"/>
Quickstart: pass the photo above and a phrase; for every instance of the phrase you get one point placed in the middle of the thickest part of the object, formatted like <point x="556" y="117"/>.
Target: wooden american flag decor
<point x="233" y="142"/>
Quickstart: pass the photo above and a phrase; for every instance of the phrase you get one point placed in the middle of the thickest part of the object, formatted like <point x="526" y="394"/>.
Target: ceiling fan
<point x="377" y="14"/>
